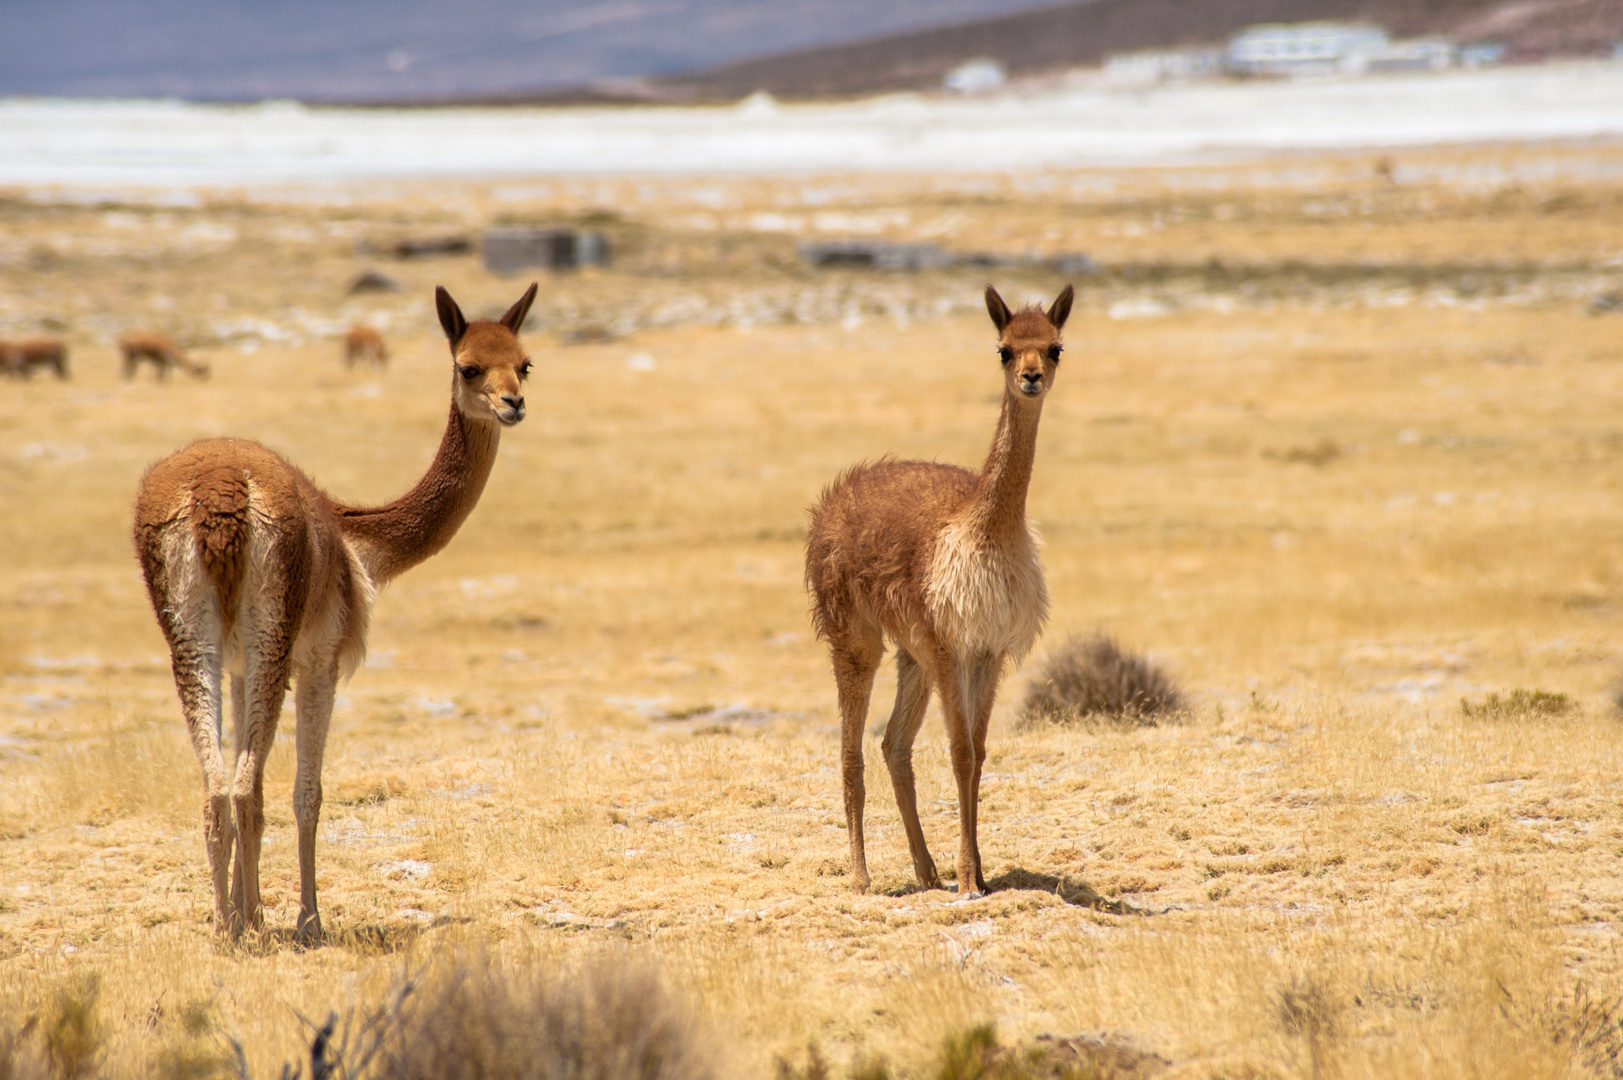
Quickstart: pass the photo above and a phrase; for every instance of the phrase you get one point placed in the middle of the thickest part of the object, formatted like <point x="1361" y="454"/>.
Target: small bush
<point x="1310" y="1012"/>
<point x="1592" y="1028"/>
<point x="73" y="1030"/>
<point x="974" y="1053"/>
<point x="1518" y="704"/>
<point x="817" y="1067"/>
<point x="20" y="1055"/>
<point x="62" y="1041"/>
<point x="1089" y="677"/>
<point x="613" y="1020"/>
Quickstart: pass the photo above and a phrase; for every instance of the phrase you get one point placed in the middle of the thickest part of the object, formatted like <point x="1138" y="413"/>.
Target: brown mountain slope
<point x="1080" y="34"/>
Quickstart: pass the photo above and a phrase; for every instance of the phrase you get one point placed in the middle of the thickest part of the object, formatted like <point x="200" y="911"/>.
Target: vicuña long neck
<point x="396" y="536"/>
<point x="999" y="506"/>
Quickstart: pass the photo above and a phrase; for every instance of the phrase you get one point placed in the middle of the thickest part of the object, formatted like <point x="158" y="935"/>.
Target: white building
<point x="1163" y="65"/>
<point x="1313" y="48"/>
<point x="976" y="76"/>
<point x="1418" y="54"/>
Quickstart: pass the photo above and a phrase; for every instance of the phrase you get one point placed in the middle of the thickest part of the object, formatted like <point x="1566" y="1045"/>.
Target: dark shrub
<point x="1091" y="677"/>
<point x="1518" y="704"/>
<point x="469" y="1017"/>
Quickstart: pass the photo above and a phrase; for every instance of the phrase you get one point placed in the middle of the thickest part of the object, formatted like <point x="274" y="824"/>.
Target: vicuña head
<point x="490" y="363"/>
<point x="254" y="572"/>
<point x="1028" y="342"/>
<point x="939" y="560"/>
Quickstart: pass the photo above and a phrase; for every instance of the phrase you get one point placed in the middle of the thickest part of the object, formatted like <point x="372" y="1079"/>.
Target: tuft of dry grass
<point x="976" y="1053"/>
<point x="471" y="1014"/>
<point x="1518" y="704"/>
<point x="1087" y="679"/>
<point x="64" y="1040"/>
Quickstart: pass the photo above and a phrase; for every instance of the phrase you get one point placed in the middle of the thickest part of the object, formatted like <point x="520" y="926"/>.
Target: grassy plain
<point x="1339" y="453"/>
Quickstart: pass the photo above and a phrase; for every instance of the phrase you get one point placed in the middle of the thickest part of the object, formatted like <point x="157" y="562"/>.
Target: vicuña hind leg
<point x="239" y="743"/>
<point x="856" y="660"/>
<point x="313" y="702"/>
<point x="197" y="678"/>
<point x="912" y="696"/>
<point x="266" y="685"/>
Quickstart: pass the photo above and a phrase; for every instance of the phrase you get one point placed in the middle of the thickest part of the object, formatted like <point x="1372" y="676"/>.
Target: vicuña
<point x="940" y="560"/>
<point x="255" y="571"/>
<point x="162" y="352"/>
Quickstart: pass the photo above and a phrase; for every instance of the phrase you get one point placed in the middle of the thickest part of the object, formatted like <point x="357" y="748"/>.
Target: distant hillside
<point x="1084" y="33"/>
<point x="423" y="51"/>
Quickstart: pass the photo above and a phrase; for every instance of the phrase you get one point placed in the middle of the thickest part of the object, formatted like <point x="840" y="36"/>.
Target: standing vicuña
<point x="942" y="561"/>
<point x="19" y="358"/>
<point x="254" y="570"/>
<point x="162" y="351"/>
<point x="362" y="342"/>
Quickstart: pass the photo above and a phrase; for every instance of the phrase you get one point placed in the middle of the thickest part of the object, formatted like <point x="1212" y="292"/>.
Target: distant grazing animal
<point x="940" y="560"/>
<point x="254" y="571"/>
<point x="162" y="351"/>
<point x="364" y="343"/>
<point x="18" y="359"/>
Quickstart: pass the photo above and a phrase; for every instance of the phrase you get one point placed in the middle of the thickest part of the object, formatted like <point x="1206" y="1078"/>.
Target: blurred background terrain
<point x="415" y="51"/>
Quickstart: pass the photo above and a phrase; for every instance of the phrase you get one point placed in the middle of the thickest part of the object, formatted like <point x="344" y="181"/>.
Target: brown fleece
<point x="940" y="560"/>
<point x="220" y="524"/>
<point x="227" y="527"/>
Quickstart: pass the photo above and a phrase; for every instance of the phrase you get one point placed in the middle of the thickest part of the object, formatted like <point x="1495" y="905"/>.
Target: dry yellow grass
<point x="1334" y="508"/>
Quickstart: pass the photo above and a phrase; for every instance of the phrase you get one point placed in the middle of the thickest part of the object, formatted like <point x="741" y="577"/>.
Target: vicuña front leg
<point x="912" y="697"/>
<point x="961" y="744"/>
<point x="313" y="705"/>
<point x="981" y="677"/>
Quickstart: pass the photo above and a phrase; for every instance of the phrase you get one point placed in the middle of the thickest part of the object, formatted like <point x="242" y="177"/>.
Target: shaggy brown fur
<point x="941" y="561"/>
<point x="364" y="343"/>
<point x="162" y="352"/>
<point x="255" y="571"/>
<point x="18" y="359"/>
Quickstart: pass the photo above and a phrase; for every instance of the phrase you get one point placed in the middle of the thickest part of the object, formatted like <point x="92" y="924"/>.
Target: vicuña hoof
<point x="309" y="933"/>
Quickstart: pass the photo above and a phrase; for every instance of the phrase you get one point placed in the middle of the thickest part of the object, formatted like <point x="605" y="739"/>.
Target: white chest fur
<point x="986" y="597"/>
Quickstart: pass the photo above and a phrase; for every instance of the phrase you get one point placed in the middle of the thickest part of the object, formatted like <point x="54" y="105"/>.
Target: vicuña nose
<point x="1032" y="376"/>
<point x="515" y="400"/>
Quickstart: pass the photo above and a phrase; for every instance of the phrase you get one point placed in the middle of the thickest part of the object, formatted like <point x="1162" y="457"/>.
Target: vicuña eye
<point x="524" y="371"/>
<point x="469" y="372"/>
<point x="1053" y="353"/>
<point x="1005" y="354"/>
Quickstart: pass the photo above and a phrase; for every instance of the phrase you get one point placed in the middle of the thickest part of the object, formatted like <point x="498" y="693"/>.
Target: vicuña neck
<point x="999" y="506"/>
<point x="396" y="536"/>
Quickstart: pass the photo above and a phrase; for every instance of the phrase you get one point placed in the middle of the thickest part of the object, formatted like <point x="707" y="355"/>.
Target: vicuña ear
<point x="1060" y="310"/>
<point x="451" y="317"/>
<point x="997" y="309"/>
<point x="514" y="319"/>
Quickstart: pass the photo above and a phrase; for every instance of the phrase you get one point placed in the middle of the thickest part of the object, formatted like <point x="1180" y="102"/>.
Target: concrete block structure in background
<point x="510" y="250"/>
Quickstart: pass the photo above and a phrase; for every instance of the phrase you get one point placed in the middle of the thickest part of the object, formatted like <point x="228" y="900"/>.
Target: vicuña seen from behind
<point x="256" y="572"/>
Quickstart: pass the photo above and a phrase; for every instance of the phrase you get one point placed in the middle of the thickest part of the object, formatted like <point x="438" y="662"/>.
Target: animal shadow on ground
<point x="1072" y="890"/>
<point x="376" y="939"/>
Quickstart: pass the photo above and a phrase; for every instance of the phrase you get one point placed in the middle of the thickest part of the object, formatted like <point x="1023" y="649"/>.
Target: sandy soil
<point x="1338" y="457"/>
